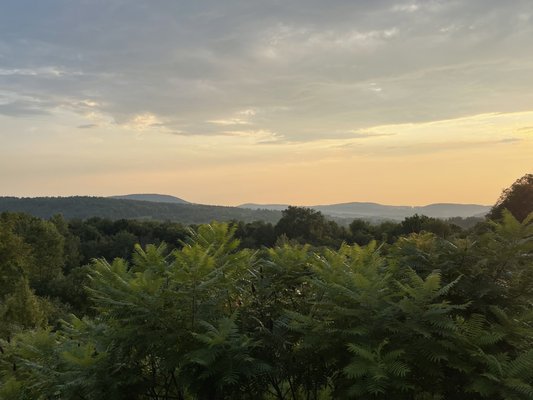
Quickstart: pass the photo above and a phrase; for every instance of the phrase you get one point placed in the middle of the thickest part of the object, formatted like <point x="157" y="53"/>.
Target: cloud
<point x="232" y="121"/>
<point x="510" y="140"/>
<point x="243" y="117"/>
<point x="350" y="139"/>
<point x="525" y="129"/>
<point x="21" y="109"/>
<point x="45" y="72"/>
<point x="367" y="135"/>
<point x="87" y="126"/>
<point x="425" y="148"/>
<point x="144" y="121"/>
<point x="18" y="105"/>
<point x="306" y="70"/>
<point x="410" y="7"/>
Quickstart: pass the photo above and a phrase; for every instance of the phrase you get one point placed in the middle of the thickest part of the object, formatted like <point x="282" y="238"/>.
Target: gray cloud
<point x="308" y="69"/>
<point x="87" y="126"/>
<point x="16" y="105"/>
<point x="21" y="109"/>
<point x="511" y="140"/>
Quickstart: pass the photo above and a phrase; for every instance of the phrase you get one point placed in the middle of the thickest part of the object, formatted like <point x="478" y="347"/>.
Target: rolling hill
<point x="164" y="207"/>
<point x="84" y="207"/>
<point x="379" y="211"/>
<point x="155" y="198"/>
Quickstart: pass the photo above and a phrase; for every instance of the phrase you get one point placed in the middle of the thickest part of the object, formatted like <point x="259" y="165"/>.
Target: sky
<point x="233" y="101"/>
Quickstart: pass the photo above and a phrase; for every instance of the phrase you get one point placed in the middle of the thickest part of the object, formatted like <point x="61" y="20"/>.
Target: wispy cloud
<point x="87" y="126"/>
<point x="55" y="72"/>
<point x="232" y="121"/>
<point x="438" y="147"/>
<point x="408" y="7"/>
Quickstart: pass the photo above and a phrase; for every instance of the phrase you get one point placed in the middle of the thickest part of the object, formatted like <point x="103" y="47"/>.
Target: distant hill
<point x="164" y="207"/>
<point x="156" y="198"/>
<point x="375" y="211"/>
<point x="83" y="207"/>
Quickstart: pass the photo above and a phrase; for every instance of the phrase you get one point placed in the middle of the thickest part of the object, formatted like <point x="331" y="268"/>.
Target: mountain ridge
<point x="152" y="197"/>
<point x="84" y="207"/>
<point x="150" y="206"/>
<point x="376" y="210"/>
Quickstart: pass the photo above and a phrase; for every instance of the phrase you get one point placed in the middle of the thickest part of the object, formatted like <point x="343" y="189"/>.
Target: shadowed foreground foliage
<point x="424" y="318"/>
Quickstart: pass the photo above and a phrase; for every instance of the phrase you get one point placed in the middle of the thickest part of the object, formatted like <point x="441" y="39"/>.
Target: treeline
<point x="304" y="225"/>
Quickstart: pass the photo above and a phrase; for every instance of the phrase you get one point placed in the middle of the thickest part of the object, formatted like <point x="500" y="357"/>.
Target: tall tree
<point x="19" y="307"/>
<point x="46" y="247"/>
<point x="518" y="199"/>
<point x="308" y="226"/>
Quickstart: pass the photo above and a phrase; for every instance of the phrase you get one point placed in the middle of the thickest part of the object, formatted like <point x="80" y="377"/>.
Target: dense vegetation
<point x="304" y="309"/>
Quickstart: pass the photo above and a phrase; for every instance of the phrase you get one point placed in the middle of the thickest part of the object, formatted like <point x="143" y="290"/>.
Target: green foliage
<point x="362" y="232"/>
<point x="45" y="244"/>
<point x="255" y="234"/>
<point x="430" y="316"/>
<point x="308" y="226"/>
<point x="19" y="307"/>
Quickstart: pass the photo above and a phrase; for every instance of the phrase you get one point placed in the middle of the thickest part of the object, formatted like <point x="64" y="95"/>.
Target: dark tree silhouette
<point x="518" y="199"/>
<point x="308" y="226"/>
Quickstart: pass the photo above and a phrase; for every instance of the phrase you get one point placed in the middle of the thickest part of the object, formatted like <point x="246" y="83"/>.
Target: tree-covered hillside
<point x="83" y="207"/>
<point x="153" y="197"/>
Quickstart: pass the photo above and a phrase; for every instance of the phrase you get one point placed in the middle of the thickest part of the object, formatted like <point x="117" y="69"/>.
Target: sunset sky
<point x="301" y="102"/>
